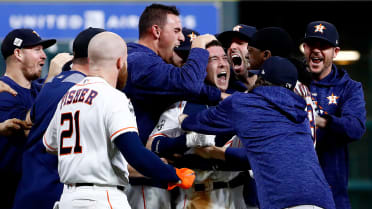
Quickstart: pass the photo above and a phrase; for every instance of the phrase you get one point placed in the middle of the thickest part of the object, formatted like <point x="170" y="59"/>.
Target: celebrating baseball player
<point x="94" y="132"/>
<point x="275" y="133"/>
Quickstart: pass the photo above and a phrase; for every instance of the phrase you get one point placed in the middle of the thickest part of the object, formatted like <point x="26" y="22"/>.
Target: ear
<point x="155" y="29"/>
<point x="336" y="51"/>
<point x="18" y="53"/>
<point x="266" y="54"/>
<point x="119" y="63"/>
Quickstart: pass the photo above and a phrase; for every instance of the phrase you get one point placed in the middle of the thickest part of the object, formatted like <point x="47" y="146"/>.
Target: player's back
<point x="84" y="133"/>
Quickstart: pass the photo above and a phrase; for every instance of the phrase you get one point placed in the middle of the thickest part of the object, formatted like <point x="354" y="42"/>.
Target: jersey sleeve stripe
<point x="120" y="130"/>
<point x="158" y="134"/>
<point x="47" y="145"/>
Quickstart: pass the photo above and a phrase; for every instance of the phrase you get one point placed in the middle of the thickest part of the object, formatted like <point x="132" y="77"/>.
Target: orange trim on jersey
<point x="158" y="134"/>
<point x="122" y="130"/>
<point x="51" y="148"/>
<point x="108" y="199"/>
<point x="85" y="84"/>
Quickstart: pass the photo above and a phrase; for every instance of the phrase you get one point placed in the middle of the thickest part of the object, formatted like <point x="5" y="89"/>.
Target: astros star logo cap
<point x="319" y="28"/>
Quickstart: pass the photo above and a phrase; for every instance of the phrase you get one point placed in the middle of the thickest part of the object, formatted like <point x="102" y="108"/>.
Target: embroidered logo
<point x="332" y="99"/>
<point x="192" y="36"/>
<point x="17" y="42"/>
<point x="319" y="28"/>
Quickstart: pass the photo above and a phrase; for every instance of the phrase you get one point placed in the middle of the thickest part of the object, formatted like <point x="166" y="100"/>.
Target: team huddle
<point x="178" y="120"/>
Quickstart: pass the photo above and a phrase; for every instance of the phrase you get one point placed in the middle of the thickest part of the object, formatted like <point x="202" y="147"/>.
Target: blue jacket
<point x="273" y="126"/>
<point x="39" y="186"/>
<point x="12" y="148"/>
<point x="153" y="85"/>
<point x="341" y="101"/>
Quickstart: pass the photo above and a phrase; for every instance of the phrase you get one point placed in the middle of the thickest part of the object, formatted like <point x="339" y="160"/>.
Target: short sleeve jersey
<point x="87" y="120"/>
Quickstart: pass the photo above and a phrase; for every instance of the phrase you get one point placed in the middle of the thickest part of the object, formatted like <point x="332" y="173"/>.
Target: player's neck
<point x="17" y="76"/>
<point x="149" y="43"/>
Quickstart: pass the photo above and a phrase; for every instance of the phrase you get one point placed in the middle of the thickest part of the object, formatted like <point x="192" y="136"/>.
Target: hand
<point x="5" y="87"/>
<point x="320" y="122"/>
<point x="57" y="63"/>
<point x="187" y="178"/>
<point x="194" y="139"/>
<point x="202" y="40"/>
<point x="11" y="126"/>
<point x="181" y="118"/>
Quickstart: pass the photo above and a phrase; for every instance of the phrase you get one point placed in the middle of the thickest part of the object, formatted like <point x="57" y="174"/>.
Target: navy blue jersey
<point x="11" y="148"/>
<point x="273" y="127"/>
<point x="339" y="99"/>
<point x="40" y="186"/>
<point x="153" y="85"/>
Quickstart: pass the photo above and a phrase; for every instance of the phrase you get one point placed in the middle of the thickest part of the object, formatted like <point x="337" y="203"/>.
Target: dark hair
<point x="213" y="43"/>
<point x="261" y="82"/>
<point x="155" y="14"/>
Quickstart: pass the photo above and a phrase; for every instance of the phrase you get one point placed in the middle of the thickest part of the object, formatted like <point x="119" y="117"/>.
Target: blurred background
<point x="63" y="20"/>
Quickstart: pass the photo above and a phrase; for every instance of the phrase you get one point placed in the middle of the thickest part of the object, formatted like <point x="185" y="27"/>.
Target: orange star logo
<point x="192" y="36"/>
<point x="319" y="28"/>
<point x="332" y="99"/>
<point x="237" y="28"/>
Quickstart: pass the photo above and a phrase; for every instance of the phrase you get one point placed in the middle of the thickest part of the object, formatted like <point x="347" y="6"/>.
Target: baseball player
<point x="340" y="106"/>
<point x="33" y="191"/>
<point x="95" y="139"/>
<point x="275" y="41"/>
<point x="23" y="51"/>
<point x="276" y="138"/>
<point x="154" y="83"/>
<point x="210" y="189"/>
<point x="236" y="42"/>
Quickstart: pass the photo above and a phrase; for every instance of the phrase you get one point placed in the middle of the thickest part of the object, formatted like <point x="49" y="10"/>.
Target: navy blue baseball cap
<point x="190" y="35"/>
<point x="279" y="71"/>
<point x="81" y="42"/>
<point x="322" y="30"/>
<point x="241" y="31"/>
<point x="275" y="39"/>
<point x="23" y="38"/>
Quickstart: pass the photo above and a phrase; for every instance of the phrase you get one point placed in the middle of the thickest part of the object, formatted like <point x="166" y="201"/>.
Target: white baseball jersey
<point x="88" y="119"/>
<point x="304" y="92"/>
<point x="168" y="125"/>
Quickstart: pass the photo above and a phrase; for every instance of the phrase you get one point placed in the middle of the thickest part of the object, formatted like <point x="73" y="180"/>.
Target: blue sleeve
<point x="165" y="145"/>
<point x="209" y="95"/>
<point x="215" y="120"/>
<point x="351" y="124"/>
<point x="237" y="157"/>
<point x="155" y="75"/>
<point x="143" y="160"/>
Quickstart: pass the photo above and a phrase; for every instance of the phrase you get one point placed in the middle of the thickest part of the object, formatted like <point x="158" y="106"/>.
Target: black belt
<point x="208" y="186"/>
<point x="91" y="184"/>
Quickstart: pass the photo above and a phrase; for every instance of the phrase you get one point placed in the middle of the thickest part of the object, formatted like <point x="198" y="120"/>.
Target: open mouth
<point x="316" y="59"/>
<point x="222" y="74"/>
<point x="236" y="59"/>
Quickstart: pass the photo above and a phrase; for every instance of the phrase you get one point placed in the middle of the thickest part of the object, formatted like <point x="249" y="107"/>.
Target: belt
<point x="209" y="185"/>
<point x="91" y="184"/>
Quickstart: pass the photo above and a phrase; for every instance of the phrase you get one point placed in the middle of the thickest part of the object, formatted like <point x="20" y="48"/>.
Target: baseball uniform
<point x="199" y="196"/>
<point x="82" y="130"/>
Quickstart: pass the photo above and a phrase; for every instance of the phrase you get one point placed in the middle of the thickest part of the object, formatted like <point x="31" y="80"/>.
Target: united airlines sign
<point x="66" y="19"/>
